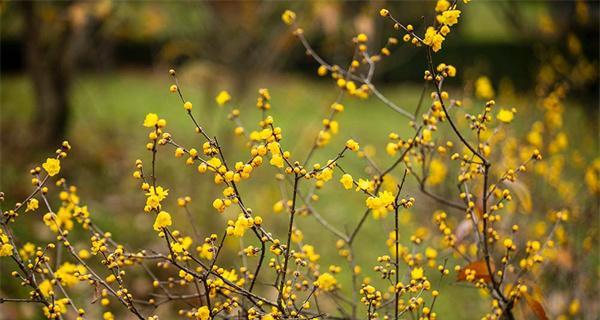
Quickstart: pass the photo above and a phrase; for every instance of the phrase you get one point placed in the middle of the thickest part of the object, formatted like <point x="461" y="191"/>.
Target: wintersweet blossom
<point x="416" y="273"/>
<point x="163" y="219"/>
<point x="505" y="116"/>
<point x="347" y="181"/>
<point x="352" y="145"/>
<point x="288" y="17"/>
<point x="52" y="166"/>
<point x="327" y="282"/>
<point x="449" y="17"/>
<point x="222" y="98"/>
<point x="433" y="39"/>
<point x="150" y="120"/>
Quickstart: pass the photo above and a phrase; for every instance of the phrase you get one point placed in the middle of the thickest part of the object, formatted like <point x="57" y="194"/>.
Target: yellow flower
<point x="32" y="204"/>
<point x="66" y="273"/>
<point x="150" y="120"/>
<point x="352" y="145"/>
<point x="297" y="236"/>
<point x="277" y="160"/>
<point x="437" y="172"/>
<point x="323" y="138"/>
<point x="310" y="253"/>
<point x="338" y="107"/>
<point x="483" y="88"/>
<point x="334" y="126"/>
<point x="205" y="251"/>
<point x="179" y="247"/>
<point x="451" y="70"/>
<point x="187" y="106"/>
<point x="155" y="196"/>
<point x="433" y="39"/>
<point x="52" y="166"/>
<point x="416" y="274"/>
<point x="449" y="17"/>
<point x="391" y="148"/>
<point x="230" y="275"/>
<point x="187" y="242"/>
<point x="163" y="219"/>
<point x="327" y="282"/>
<point x="431" y="253"/>
<point x="505" y="116"/>
<point x="153" y="202"/>
<point x="273" y="146"/>
<point x="535" y="138"/>
<point x="239" y="227"/>
<point x="379" y="205"/>
<point x="325" y="175"/>
<point x="347" y="181"/>
<point x="426" y="135"/>
<point x="27" y="251"/>
<point x="442" y="5"/>
<point x="159" y="192"/>
<point x="108" y="316"/>
<point x="62" y="219"/>
<point x="384" y="12"/>
<point x="223" y="97"/>
<point x="214" y="162"/>
<point x="288" y="17"/>
<point x="203" y="313"/>
<point x="59" y="306"/>
<point x="444" y="30"/>
<point x="84" y="254"/>
<point x="278" y="206"/>
<point x="574" y="307"/>
<point x="364" y="185"/>
<point x="45" y="287"/>
<point x="6" y="250"/>
<point x="560" y="142"/>
<point x="219" y="204"/>
<point x="592" y="177"/>
<point x="322" y="71"/>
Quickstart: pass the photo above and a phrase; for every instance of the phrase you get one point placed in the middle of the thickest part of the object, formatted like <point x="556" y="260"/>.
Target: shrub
<point x="483" y="233"/>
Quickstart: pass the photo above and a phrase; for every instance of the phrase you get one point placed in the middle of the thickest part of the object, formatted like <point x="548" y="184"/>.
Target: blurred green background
<point x="90" y="71"/>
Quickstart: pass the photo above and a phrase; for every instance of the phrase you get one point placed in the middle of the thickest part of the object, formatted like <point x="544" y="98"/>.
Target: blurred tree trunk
<point x="53" y="50"/>
<point x="49" y="67"/>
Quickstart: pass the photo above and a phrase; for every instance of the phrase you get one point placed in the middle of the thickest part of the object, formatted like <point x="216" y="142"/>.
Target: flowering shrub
<point x="484" y="234"/>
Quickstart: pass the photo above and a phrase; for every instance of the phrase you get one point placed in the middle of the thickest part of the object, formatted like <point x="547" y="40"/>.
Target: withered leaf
<point x="536" y="307"/>
<point x="480" y="268"/>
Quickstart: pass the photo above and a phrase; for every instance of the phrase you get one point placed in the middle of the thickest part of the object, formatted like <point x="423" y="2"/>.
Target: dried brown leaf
<point x="536" y="307"/>
<point x="480" y="268"/>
